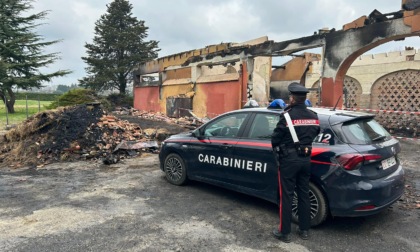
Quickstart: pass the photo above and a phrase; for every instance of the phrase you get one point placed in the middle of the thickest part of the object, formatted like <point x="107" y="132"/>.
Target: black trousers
<point x="294" y="173"/>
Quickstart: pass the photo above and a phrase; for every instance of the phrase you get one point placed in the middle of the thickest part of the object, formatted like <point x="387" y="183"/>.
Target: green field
<point x="21" y="113"/>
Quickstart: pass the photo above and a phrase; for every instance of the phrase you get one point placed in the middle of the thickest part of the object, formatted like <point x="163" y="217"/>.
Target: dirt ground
<point x="129" y="206"/>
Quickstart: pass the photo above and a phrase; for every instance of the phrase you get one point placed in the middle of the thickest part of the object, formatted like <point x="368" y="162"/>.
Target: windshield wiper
<point x="379" y="138"/>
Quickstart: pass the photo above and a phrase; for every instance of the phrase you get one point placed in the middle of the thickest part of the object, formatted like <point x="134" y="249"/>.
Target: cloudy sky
<point x="184" y="25"/>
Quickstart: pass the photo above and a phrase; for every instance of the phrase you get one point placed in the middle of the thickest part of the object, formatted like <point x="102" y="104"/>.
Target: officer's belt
<point x="294" y="147"/>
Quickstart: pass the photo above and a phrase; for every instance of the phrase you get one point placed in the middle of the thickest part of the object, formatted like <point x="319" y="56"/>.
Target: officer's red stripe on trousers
<point x="280" y="203"/>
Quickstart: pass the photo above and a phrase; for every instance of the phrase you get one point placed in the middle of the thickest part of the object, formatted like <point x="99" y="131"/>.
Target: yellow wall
<point x="173" y="91"/>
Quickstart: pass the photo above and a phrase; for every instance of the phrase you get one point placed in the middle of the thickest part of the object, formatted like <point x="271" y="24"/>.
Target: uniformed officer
<point x="294" y="161"/>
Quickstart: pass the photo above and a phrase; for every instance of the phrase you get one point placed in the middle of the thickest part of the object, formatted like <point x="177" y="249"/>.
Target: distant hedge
<point x="36" y="96"/>
<point x="79" y="96"/>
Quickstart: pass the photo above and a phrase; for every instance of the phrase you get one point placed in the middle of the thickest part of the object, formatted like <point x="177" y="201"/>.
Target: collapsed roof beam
<point x="278" y="67"/>
<point x="268" y="48"/>
<point x="216" y="58"/>
<point x="284" y="48"/>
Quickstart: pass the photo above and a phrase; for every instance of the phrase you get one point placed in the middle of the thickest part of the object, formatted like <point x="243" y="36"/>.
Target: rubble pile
<point x="190" y="122"/>
<point x="74" y="133"/>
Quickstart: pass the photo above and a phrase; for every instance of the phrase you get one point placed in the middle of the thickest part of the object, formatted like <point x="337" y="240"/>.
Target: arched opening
<point x="340" y="55"/>
<point x="352" y="93"/>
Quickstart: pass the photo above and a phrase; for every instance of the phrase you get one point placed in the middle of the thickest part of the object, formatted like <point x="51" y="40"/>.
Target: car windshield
<point x="365" y="131"/>
<point x="227" y="126"/>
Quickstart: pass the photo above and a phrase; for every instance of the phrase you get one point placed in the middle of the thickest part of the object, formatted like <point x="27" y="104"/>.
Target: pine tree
<point x="118" y="46"/>
<point x="21" y="50"/>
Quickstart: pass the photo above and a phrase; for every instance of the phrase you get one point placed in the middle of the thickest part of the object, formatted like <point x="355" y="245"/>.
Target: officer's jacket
<point x="305" y="122"/>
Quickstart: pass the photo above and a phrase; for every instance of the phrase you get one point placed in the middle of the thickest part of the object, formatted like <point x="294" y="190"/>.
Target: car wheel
<point x="175" y="169"/>
<point x="318" y="203"/>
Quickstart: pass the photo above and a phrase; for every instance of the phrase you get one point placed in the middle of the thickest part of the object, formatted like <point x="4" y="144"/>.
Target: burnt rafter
<point x="268" y="48"/>
<point x="284" y="48"/>
<point x="222" y="53"/>
<point x="376" y="17"/>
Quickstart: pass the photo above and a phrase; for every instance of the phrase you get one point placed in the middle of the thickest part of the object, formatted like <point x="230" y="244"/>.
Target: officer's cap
<point x="297" y="89"/>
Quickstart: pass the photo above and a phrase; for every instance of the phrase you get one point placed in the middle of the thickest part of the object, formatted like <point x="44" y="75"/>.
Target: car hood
<point x="180" y="136"/>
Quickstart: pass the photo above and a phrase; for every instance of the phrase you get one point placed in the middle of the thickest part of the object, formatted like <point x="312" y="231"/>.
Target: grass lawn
<point x="20" y="111"/>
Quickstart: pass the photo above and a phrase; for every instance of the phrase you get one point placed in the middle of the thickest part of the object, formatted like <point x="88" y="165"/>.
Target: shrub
<point x="120" y="100"/>
<point x="74" y="97"/>
<point x="83" y="96"/>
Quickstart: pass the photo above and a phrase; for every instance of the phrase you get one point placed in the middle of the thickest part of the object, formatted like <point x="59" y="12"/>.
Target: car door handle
<point x="226" y="146"/>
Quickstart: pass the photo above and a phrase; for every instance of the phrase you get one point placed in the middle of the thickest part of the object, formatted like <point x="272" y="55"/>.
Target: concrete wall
<point x="261" y="80"/>
<point x="214" y="98"/>
<point x="147" y="98"/>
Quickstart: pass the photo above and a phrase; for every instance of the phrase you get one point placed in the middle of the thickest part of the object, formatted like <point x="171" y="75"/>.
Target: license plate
<point x="388" y="162"/>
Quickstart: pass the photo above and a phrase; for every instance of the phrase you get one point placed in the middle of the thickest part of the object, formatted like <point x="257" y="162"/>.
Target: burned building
<point x="220" y="78"/>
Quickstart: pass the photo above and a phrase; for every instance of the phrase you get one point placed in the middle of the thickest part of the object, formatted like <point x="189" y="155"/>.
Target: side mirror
<point x="196" y="133"/>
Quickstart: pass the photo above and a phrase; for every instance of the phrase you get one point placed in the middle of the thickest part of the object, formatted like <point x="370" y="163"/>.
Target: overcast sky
<point x="184" y="25"/>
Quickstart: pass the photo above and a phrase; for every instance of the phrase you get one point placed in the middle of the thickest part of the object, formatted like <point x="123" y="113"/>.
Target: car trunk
<point x="375" y="151"/>
<point x="384" y="158"/>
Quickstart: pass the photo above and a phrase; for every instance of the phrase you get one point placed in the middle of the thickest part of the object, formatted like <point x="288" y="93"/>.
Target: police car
<point x="355" y="167"/>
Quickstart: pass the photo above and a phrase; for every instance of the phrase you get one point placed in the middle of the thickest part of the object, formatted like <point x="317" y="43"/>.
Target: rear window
<point x="364" y="131"/>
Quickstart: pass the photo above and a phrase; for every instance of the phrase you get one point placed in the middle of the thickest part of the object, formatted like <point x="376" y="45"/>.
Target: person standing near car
<point x="292" y="144"/>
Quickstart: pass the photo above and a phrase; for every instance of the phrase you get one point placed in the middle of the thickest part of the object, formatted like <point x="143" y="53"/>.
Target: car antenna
<point x="336" y="104"/>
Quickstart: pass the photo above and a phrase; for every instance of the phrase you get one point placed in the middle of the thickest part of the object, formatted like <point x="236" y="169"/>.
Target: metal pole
<point x="7" y="112"/>
<point x="26" y="98"/>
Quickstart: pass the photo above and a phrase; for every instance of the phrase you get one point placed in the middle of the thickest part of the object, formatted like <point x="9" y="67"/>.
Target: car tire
<point x="318" y="203"/>
<point x="175" y="169"/>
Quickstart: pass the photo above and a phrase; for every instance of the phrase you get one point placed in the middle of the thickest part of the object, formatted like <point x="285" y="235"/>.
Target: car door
<point x="212" y="152"/>
<point x="254" y="166"/>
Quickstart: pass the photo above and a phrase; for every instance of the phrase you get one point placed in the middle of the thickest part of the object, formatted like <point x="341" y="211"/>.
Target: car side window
<point x="263" y="126"/>
<point x="227" y="126"/>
